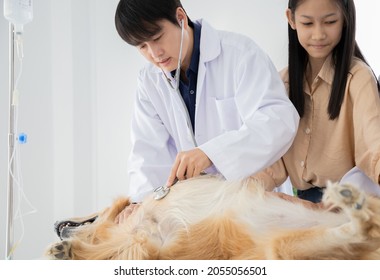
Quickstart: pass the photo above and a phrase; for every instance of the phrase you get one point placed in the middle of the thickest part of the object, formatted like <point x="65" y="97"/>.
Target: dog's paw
<point x="345" y="196"/>
<point x="60" y="251"/>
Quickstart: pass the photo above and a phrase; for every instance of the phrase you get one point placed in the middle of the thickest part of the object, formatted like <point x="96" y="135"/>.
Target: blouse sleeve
<point x="366" y="118"/>
<point x="273" y="176"/>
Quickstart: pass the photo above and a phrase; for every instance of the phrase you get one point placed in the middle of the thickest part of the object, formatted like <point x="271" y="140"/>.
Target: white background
<point x="76" y="98"/>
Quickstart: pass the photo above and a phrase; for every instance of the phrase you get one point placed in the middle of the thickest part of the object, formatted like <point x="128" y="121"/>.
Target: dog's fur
<point x="208" y="218"/>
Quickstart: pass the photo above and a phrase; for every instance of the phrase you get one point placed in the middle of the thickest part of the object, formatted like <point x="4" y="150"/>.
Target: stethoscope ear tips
<point x="180" y="21"/>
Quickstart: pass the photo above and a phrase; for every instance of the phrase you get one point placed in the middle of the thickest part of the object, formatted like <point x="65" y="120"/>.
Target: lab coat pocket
<point x="228" y="114"/>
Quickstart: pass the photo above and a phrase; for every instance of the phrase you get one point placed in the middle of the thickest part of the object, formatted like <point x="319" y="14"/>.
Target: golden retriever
<point x="209" y="218"/>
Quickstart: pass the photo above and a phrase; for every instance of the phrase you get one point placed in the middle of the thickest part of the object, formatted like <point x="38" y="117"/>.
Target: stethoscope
<point x="178" y="70"/>
<point x="162" y="191"/>
<point x="175" y="87"/>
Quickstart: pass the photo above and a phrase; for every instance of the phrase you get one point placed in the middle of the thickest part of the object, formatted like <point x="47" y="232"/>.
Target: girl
<point x="336" y="95"/>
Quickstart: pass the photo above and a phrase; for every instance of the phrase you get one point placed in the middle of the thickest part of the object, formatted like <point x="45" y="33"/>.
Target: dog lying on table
<point x="209" y="218"/>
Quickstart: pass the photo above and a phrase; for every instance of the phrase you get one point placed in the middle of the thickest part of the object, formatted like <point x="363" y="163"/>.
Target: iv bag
<point x="18" y="12"/>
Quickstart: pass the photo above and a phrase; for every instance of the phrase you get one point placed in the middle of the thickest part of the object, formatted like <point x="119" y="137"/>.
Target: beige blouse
<point x="324" y="149"/>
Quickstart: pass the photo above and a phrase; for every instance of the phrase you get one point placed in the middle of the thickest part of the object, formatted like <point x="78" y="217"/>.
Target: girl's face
<point x="319" y="25"/>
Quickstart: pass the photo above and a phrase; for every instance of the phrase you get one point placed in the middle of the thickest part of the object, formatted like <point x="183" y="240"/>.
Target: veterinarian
<point x="338" y="138"/>
<point x="208" y="101"/>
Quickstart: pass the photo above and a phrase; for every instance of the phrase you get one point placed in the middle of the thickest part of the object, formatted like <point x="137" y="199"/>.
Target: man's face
<point x="163" y="48"/>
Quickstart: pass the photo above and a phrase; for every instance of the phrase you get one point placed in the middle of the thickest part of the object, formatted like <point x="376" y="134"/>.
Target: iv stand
<point x="11" y="133"/>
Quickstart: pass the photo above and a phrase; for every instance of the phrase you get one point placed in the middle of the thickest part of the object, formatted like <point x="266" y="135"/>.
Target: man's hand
<point x="123" y="215"/>
<point x="187" y="165"/>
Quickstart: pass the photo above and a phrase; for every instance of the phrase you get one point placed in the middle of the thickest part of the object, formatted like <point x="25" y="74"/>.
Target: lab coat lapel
<point x="209" y="50"/>
<point x="180" y="116"/>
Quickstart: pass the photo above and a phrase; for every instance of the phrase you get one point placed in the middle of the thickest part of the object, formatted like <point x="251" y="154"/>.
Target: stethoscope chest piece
<point x="161" y="192"/>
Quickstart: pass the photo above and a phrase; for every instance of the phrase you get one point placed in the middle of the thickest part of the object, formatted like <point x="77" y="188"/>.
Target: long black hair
<point x="342" y="56"/>
<point x="136" y="20"/>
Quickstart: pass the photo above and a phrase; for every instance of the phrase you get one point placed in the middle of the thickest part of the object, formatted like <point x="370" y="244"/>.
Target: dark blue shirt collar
<point x="194" y="62"/>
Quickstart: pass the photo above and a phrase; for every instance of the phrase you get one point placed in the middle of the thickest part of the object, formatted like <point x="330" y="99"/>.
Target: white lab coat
<point x="244" y="120"/>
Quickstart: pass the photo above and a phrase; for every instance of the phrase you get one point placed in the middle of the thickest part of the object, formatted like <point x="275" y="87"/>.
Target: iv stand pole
<point x="11" y="133"/>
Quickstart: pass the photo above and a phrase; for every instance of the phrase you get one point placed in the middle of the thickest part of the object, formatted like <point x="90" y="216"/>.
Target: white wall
<point x="368" y="31"/>
<point x="55" y="111"/>
<point x="3" y="128"/>
<point x="76" y="97"/>
<point x="35" y="119"/>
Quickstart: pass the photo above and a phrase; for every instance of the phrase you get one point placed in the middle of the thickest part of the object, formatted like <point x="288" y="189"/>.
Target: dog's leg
<point x="357" y="239"/>
<point x="59" y="251"/>
<point x="74" y="250"/>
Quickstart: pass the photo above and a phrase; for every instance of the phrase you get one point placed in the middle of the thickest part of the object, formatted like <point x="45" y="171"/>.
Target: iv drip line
<point x="18" y="13"/>
<point x="15" y="180"/>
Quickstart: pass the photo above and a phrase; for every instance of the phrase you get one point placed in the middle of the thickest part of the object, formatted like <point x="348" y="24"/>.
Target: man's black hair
<point x="137" y="20"/>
